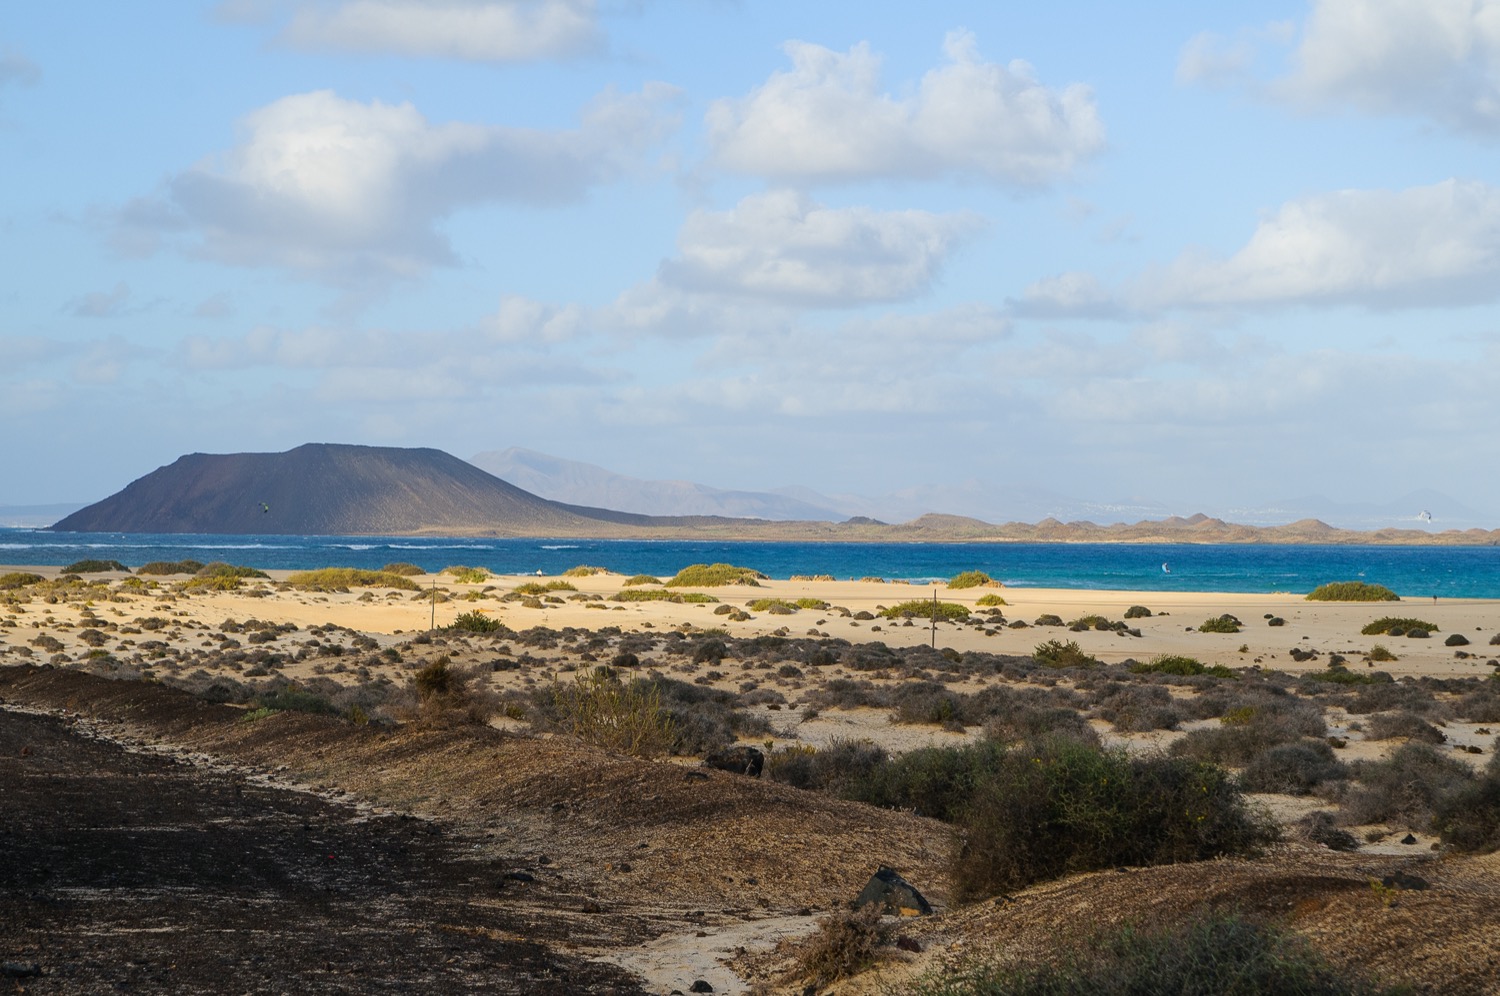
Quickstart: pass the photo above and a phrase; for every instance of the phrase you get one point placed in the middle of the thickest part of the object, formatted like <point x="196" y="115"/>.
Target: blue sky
<point x="1203" y="256"/>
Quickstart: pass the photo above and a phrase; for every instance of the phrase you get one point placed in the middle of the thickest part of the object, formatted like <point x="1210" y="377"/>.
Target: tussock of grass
<point x="18" y="579"/>
<point x="926" y="608"/>
<point x="1352" y="591"/>
<point x="331" y="578"/>
<point x="1385" y="624"/>
<point x="537" y="588"/>
<point x="1220" y="624"/>
<point x="467" y="575"/>
<point x="584" y="571"/>
<point x="94" y="567"/>
<point x="1181" y="665"/>
<point x="715" y="576"/>
<point x="972" y="579"/>
<point x="641" y="579"/>
<point x="404" y="569"/>
<point x="991" y="599"/>
<point x="219" y="569"/>
<point x="1054" y="653"/>
<point x="660" y="595"/>
<point x="170" y="567"/>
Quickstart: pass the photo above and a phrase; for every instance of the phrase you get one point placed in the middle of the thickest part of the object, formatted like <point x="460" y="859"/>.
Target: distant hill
<point x="328" y="489"/>
<point x="580" y="483"/>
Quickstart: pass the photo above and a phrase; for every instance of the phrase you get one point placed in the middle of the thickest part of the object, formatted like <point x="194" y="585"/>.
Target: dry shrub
<point x="447" y="695"/>
<point x="845" y="944"/>
<point x="623" y="717"/>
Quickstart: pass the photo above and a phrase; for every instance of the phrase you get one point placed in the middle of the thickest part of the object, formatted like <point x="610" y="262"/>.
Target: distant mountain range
<point x="333" y="489"/>
<point x="586" y="484"/>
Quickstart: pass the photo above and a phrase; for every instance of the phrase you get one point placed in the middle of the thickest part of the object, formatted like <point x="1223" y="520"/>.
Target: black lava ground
<point x="130" y="872"/>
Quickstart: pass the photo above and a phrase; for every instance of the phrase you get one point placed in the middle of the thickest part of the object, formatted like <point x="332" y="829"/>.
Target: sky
<point x="1204" y="255"/>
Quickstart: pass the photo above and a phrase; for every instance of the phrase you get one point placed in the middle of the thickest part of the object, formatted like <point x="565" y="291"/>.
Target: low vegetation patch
<point x="1055" y="653"/>
<point x="219" y="569"/>
<point x="846" y="943"/>
<point x="584" y="571"/>
<point x="778" y="606"/>
<point x="641" y="579"/>
<point x="1352" y="591"/>
<point x="475" y="622"/>
<point x="467" y="575"/>
<point x="990" y="600"/>
<point x="333" y="578"/>
<point x="94" y="567"/>
<point x="170" y="567"/>
<point x="715" y="576"/>
<point x="973" y="579"/>
<point x="538" y="588"/>
<point x="1385" y="624"/>
<point x="1220" y="624"/>
<point x="922" y="608"/>
<point x="1220" y="952"/>
<point x="404" y="569"/>
<point x="1137" y="612"/>
<point x="1183" y="666"/>
<point x="621" y="716"/>
<point x="18" y="579"/>
<point x="660" y="595"/>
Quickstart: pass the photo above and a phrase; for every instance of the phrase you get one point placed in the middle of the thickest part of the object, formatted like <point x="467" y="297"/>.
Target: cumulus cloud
<point x="1435" y="59"/>
<point x="783" y="247"/>
<point x="344" y="190"/>
<point x="827" y="119"/>
<point x="473" y="30"/>
<point x="1430" y="246"/>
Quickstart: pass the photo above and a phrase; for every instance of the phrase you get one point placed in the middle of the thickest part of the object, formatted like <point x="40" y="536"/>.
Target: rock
<point x="700" y="986"/>
<point x="893" y="894"/>
<point x="1408" y="839"/>
<point x="740" y="759"/>
<point x="20" y="969"/>
<point x="905" y="943"/>
<point x="1401" y="880"/>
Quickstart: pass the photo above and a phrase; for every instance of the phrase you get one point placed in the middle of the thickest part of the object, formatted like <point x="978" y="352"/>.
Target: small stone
<point x="1408" y="839"/>
<point x="700" y="986"/>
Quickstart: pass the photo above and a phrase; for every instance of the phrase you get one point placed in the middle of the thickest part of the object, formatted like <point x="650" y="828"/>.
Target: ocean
<point x="1413" y="571"/>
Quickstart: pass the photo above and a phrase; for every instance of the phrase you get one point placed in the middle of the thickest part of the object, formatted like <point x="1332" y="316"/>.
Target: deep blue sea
<point x="1416" y="571"/>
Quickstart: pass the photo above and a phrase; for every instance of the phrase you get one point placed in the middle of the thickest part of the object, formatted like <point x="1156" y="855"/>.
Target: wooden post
<point x="934" y="619"/>
<point x="433" y="624"/>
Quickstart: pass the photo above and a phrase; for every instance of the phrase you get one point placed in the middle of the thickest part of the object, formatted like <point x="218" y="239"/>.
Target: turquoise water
<point x="1414" y="571"/>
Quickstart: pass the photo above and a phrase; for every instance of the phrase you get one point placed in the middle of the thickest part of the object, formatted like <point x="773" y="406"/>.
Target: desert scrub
<point x="990" y="600"/>
<point x="1383" y="626"/>
<point x="973" y="579"/>
<point x="475" y="622"/>
<point x="1220" y="624"/>
<point x="661" y="595"/>
<point x="1407" y="788"/>
<point x="777" y="606"/>
<point x="331" y="578"/>
<point x="1182" y="666"/>
<point x="467" y="575"/>
<point x="584" y="571"/>
<point x="170" y="567"/>
<point x="211" y="582"/>
<point x="621" y="716"/>
<point x="1468" y="819"/>
<point x="639" y="579"/>
<point x="448" y="695"/>
<point x="94" y="567"/>
<point x="1137" y="612"/>
<point x="715" y="576"/>
<point x="1378" y="652"/>
<point x="846" y="943"/>
<point x="537" y="588"/>
<point x="18" y="579"/>
<point x="1055" y="653"/>
<point x="1219" y="952"/>
<point x="1352" y="591"/>
<point x="922" y="608"/>
<point x="219" y="569"/>
<point x="1055" y="806"/>
<point x="402" y="568"/>
<point x="1293" y="768"/>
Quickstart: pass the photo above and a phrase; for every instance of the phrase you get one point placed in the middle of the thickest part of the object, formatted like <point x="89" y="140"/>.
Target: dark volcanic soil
<point x="123" y="871"/>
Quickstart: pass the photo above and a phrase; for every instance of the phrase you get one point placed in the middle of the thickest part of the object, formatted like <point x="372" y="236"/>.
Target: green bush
<point x="1220" y="624"/>
<point x="1048" y="619"/>
<point x="212" y="582"/>
<point x="971" y="579"/>
<point x="1352" y="591"/>
<point x="990" y="600"/>
<point x="715" y="576"/>
<point x="660" y="595"/>
<point x="1293" y="768"/>
<point x="771" y="605"/>
<point x="467" y="575"/>
<point x="1379" y="653"/>
<point x="641" y="579"/>
<point x="922" y="608"/>
<point x="18" y="579"/>
<point x="402" y="568"/>
<point x="1056" y="806"/>
<point x="816" y="604"/>
<point x="1056" y="654"/>
<point x="170" y="567"/>
<point x="476" y="622"/>
<point x="219" y="569"/>
<point x="94" y="567"/>
<point x="291" y="698"/>
<point x="332" y="578"/>
<point x="1385" y="624"/>
<point x="1181" y="666"/>
<point x="1221" y="953"/>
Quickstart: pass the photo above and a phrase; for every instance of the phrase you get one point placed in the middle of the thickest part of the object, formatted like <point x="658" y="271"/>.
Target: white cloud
<point x="1436" y="59"/>
<point x="826" y="119"/>
<point x="349" y="191"/>
<point x="783" y="247"/>
<point x="1433" y="246"/>
<point x="474" y="30"/>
